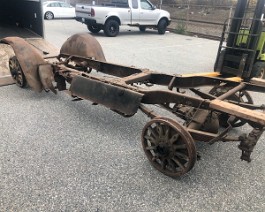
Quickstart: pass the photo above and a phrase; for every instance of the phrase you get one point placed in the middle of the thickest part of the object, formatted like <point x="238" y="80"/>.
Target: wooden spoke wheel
<point x="242" y="96"/>
<point x="169" y="147"/>
<point x="17" y="72"/>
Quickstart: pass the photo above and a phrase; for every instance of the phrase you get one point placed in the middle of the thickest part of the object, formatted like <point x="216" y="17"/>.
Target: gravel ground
<point x="59" y="155"/>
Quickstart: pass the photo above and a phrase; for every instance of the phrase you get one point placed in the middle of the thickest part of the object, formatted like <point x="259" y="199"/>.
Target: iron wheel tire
<point x="111" y="28"/>
<point x="49" y="15"/>
<point x="169" y="147"/>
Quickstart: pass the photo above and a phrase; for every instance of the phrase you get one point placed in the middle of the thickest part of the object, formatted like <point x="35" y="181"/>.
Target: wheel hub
<point x="163" y="150"/>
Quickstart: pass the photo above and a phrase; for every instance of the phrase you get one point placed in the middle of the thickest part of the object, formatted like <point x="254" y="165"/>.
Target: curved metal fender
<point x="84" y="45"/>
<point x="47" y="77"/>
<point x="30" y="59"/>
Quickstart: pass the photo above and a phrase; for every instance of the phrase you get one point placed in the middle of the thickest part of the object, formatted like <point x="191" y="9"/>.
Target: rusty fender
<point x="83" y="45"/>
<point x="37" y="71"/>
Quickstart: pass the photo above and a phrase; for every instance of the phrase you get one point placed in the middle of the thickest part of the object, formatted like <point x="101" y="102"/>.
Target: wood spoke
<point x="159" y="129"/>
<point x="167" y="129"/>
<point x="171" y="164"/>
<point x="150" y="148"/>
<point x="169" y="147"/>
<point x="151" y="139"/>
<point x="182" y="156"/>
<point x="180" y="146"/>
<point x="174" y="138"/>
<point x="178" y="163"/>
<point x="152" y="132"/>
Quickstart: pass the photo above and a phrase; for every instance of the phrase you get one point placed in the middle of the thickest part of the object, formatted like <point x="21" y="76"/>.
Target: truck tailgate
<point x="83" y="11"/>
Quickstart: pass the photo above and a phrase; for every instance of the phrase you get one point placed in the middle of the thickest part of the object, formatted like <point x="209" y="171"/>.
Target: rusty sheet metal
<point x="43" y="47"/>
<point x="83" y="45"/>
<point x="6" y="52"/>
<point x="29" y="59"/>
<point x="116" y="98"/>
<point x="47" y="77"/>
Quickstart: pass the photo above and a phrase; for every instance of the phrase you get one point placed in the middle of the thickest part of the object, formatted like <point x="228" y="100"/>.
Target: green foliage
<point x="181" y="27"/>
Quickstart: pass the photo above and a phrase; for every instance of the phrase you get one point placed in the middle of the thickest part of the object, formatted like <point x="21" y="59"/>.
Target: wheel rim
<point x="49" y="15"/>
<point x="17" y="72"/>
<point x="169" y="147"/>
<point x="112" y="29"/>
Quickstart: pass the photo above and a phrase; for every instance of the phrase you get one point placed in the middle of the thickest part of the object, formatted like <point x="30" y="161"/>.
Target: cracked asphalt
<point x="60" y="155"/>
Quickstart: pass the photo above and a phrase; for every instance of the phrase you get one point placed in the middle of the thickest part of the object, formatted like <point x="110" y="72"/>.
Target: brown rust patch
<point x="29" y="59"/>
<point x="83" y="45"/>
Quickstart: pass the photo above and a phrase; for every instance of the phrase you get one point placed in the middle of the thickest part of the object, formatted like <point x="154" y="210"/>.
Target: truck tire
<point x="162" y="26"/>
<point x="142" y="28"/>
<point x="258" y="70"/>
<point x="111" y="28"/>
<point x="94" y="28"/>
<point x="49" y="15"/>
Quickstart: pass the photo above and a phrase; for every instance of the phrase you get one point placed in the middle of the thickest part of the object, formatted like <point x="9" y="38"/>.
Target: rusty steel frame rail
<point x="130" y="75"/>
<point x="125" y="77"/>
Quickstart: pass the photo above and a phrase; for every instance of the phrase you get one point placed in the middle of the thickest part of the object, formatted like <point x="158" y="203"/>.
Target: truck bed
<point x="6" y="52"/>
<point x="7" y="30"/>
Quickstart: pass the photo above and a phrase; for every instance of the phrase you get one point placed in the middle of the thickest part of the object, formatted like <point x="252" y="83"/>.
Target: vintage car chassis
<point x="168" y="143"/>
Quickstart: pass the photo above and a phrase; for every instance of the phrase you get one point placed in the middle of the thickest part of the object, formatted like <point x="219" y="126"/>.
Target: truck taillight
<point x="92" y="12"/>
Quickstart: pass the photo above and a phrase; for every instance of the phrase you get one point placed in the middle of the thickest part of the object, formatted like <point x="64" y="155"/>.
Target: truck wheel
<point x="258" y="70"/>
<point x="49" y="16"/>
<point x="111" y="28"/>
<point x="162" y="26"/>
<point x="94" y="28"/>
<point x="142" y="28"/>
<point x="16" y="72"/>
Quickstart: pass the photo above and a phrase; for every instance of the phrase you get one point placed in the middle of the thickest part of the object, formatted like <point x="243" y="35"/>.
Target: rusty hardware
<point x="248" y="143"/>
<point x="168" y="144"/>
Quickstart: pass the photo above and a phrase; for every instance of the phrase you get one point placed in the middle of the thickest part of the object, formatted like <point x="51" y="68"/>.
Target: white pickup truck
<point x="109" y="16"/>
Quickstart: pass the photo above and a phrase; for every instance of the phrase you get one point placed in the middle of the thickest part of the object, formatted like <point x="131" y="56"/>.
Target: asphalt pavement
<point x="60" y="155"/>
